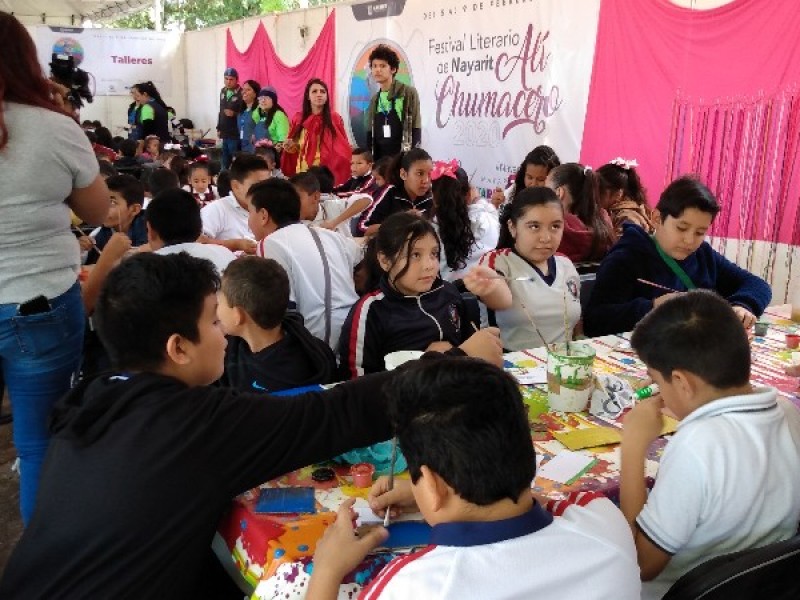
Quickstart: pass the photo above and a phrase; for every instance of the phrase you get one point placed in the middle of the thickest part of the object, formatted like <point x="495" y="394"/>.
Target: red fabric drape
<point x="334" y="151"/>
<point x="713" y="92"/>
<point x="260" y="62"/>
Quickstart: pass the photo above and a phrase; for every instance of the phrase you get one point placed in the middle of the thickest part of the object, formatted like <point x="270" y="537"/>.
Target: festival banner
<point x="114" y="58"/>
<point x="495" y="77"/>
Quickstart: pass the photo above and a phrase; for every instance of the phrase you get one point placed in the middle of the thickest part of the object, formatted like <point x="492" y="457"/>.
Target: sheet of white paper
<point x="529" y="375"/>
<point x="367" y="517"/>
<point x="565" y="465"/>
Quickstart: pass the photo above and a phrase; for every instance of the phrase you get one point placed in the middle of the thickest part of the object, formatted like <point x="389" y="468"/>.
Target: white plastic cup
<point x="395" y="359"/>
<point x="570" y="380"/>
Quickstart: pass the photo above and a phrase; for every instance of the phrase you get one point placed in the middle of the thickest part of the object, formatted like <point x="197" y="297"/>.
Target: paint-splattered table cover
<point x="274" y="553"/>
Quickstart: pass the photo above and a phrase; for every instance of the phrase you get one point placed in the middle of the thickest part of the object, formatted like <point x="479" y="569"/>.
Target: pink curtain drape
<point x="709" y="92"/>
<point x="261" y="63"/>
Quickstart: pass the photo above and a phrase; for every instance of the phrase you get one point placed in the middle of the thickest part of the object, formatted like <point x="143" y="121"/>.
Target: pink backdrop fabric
<point x="260" y="62"/>
<point x="711" y="92"/>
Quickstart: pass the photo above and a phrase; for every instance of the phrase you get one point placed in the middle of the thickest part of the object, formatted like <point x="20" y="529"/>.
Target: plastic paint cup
<point x="570" y="381"/>
<point x="395" y="359"/>
<point x="761" y="328"/>
<point x="362" y="474"/>
<point x="792" y="340"/>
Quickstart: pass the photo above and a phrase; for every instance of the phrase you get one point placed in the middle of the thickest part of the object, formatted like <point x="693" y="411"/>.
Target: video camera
<point x="64" y="71"/>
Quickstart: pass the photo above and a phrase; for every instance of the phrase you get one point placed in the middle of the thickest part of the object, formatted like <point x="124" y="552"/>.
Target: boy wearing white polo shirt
<point x="225" y="220"/>
<point x="464" y="431"/>
<point x="728" y="478"/>
<point x="319" y="262"/>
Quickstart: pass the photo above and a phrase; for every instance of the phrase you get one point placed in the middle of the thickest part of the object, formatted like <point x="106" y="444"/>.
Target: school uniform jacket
<point x="396" y="200"/>
<point x="619" y="300"/>
<point x="385" y="321"/>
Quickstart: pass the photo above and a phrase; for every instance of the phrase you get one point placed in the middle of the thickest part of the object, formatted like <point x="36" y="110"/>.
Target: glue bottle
<point x="646" y="392"/>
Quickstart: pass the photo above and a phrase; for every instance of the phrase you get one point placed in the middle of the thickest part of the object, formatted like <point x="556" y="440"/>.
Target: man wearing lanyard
<point x="393" y="116"/>
<point x="230" y="105"/>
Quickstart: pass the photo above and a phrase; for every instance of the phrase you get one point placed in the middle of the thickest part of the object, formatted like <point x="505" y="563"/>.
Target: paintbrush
<point x="567" y="335"/>
<point x="392" y="463"/>
<point x="657" y="285"/>
<point x="530" y="318"/>
<point x="80" y="232"/>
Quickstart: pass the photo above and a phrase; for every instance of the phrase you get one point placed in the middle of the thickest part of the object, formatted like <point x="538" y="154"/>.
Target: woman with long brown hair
<point x="41" y="312"/>
<point x="317" y="136"/>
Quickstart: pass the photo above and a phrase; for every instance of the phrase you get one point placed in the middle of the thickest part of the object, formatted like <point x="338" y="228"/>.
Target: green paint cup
<point x="570" y="380"/>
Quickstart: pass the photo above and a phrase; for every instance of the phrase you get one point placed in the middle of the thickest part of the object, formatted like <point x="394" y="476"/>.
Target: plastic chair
<point x="770" y="572"/>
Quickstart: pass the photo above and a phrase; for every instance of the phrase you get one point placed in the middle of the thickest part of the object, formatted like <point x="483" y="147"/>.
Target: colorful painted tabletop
<point x="273" y="552"/>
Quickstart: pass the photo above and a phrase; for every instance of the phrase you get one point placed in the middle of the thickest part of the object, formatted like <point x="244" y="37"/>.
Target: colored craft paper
<point x="286" y="500"/>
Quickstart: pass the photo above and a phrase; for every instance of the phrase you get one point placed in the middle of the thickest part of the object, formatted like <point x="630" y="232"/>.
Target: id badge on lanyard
<point x="387" y="131"/>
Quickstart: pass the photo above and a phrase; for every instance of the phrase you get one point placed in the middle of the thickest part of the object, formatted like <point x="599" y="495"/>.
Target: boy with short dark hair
<point x="143" y="461"/>
<point x="676" y="257"/>
<point x="361" y="181"/>
<point x="162" y="179"/>
<point x="127" y="159"/>
<point x="320" y="277"/>
<point x="727" y="479"/>
<point x="269" y="350"/>
<point x="174" y="225"/>
<point x="125" y="214"/>
<point x="394" y="122"/>
<point x="225" y="220"/>
<point x="320" y="207"/>
<point x="464" y="431"/>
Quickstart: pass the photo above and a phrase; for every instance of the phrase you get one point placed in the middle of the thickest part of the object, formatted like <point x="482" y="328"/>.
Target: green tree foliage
<point x="197" y="14"/>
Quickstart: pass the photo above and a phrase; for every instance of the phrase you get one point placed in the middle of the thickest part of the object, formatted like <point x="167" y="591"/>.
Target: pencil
<point x="657" y="285"/>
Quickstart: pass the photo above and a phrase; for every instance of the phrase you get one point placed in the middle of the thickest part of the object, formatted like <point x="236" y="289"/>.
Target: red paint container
<point x="792" y="340"/>
<point x="362" y="474"/>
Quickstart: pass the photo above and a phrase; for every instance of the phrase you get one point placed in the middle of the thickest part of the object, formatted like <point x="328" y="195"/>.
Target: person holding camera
<point x="41" y="312"/>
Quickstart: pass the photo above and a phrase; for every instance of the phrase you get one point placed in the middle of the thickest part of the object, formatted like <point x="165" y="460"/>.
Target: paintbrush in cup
<point x="536" y="328"/>
<point x="567" y="334"/>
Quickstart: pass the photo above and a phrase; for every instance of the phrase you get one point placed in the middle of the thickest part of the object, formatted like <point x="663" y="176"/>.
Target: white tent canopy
<point x="71" y="12"/>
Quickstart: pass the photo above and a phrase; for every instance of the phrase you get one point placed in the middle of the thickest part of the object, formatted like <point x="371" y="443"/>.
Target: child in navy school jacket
<point x="362" y="181"/>
<point x="677" y="257"/>
<point x="268" y="349"/>
<point x="411" y="308"/>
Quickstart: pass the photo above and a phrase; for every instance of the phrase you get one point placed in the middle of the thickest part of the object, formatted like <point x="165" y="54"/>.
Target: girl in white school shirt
<point x="531" y="227"/>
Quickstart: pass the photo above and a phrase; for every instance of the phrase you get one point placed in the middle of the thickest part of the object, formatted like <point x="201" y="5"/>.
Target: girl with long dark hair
<point x="317" y="136"/>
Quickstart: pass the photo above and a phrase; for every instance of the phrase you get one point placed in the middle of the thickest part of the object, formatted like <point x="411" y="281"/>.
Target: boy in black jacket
<point x="144" y="461"/>
<point x="269" y="350"/>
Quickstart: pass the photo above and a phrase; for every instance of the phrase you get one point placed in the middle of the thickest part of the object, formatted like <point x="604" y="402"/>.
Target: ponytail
<point x="583" y="186"/>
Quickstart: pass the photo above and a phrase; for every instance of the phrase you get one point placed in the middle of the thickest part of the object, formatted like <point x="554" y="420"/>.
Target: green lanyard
<point x="674" y="266"/>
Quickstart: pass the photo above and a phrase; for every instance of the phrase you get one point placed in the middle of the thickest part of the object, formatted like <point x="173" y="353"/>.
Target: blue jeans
<point x="229" y="148"/>
<point x="39" y="354"/>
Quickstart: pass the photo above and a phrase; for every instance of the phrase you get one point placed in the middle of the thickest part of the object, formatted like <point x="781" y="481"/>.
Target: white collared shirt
<point x="729" y="480"/>
<point x="225" y="219"/>
<point x="219" y="255"/>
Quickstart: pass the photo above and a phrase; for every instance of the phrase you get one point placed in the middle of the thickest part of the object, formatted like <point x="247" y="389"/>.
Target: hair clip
<point x="587" y="169"/>
<point x="444" y="169"/>
<point x="624" y="164"/>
